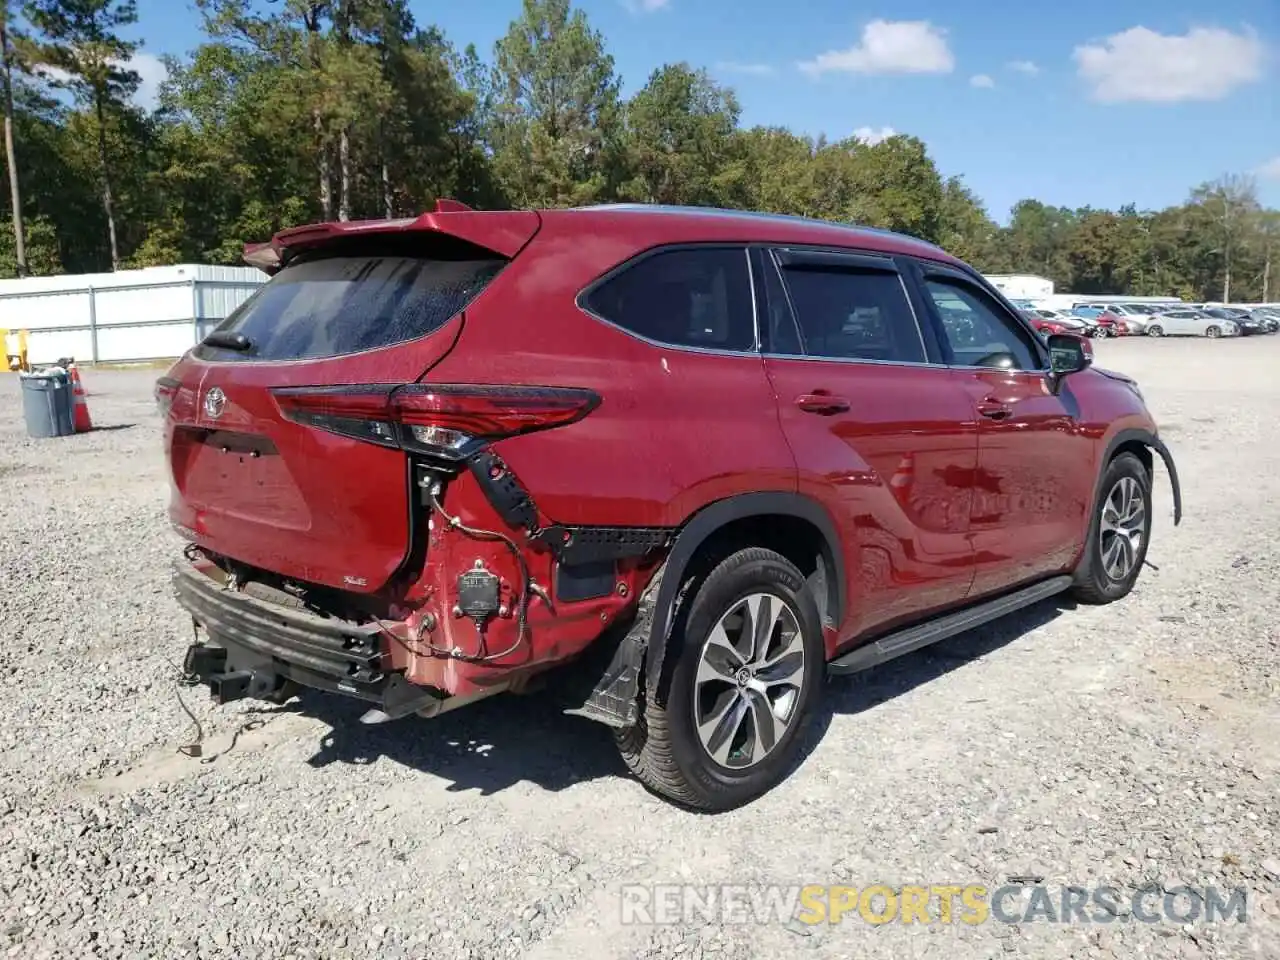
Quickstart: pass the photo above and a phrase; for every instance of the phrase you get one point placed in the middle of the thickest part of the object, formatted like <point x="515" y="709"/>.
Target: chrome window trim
<point x="757" y="343"/>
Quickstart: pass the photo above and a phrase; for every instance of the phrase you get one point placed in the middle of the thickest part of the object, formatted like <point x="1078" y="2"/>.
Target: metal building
<point x="148" y="314"/>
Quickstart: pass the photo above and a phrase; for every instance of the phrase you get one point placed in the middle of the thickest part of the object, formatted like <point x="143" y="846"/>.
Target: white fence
<point x="131" y="315"/>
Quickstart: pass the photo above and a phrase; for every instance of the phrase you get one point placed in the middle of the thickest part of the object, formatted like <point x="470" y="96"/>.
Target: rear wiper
<point x="227" y="340"/>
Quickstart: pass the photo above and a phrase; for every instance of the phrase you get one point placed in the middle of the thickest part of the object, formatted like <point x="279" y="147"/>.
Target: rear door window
<point x="853" y="314"/>
<point x="337" y="304"/>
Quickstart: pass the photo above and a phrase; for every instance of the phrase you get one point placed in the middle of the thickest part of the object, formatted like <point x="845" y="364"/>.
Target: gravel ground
<point x="1123" y="745"/>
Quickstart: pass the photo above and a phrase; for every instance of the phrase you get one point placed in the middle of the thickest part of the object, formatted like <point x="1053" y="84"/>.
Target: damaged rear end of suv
<point x="351" y="525"/>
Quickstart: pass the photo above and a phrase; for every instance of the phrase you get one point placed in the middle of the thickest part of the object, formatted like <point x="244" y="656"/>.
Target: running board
<point x="913" y="638"/>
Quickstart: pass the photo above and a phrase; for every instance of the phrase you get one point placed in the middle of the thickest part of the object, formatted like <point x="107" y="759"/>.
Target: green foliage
<point x="43" y="257"/>
<point x="680" y="131"/>
<point x="291" y="111"/>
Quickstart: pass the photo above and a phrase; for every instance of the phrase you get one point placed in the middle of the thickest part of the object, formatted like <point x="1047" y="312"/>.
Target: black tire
<point x="1155" y="330"/>
<point x="664" y="750"/>
<point x="1213" y="332"/>
<point x="1093" y="583"/>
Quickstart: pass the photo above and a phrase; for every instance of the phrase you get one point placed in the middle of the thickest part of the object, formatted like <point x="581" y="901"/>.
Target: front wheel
<point x="746" y="679"/>
<point x="1155" y="330"/>
<point x="1118" y="534"/>
<point x="1213" y="333"/>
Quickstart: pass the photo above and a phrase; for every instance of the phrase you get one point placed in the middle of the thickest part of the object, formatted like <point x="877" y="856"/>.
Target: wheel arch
<point x="729" y="521"/>
<point x="1142" y="443"/>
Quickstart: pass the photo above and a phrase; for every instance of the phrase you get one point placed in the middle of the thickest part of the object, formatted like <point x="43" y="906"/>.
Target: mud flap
<point x="614" y="698"/>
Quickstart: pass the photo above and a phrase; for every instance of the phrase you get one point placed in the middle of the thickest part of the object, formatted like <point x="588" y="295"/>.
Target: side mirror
<point x="1068" y="353"/>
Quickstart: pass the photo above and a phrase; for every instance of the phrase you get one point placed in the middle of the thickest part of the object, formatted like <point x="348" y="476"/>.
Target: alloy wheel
<point x="747" y="687"/>
<point x="1124" y="515"/>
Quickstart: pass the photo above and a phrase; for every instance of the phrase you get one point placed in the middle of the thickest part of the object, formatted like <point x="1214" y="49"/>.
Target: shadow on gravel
<point x="862" y="691"/>
<point x="113" y="426"/>
<point x="497" y="743"/>
<point x="487" y="746"/>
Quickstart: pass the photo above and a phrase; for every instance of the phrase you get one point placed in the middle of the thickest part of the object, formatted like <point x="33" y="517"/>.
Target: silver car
<point x="1189" y="323"/>
<point x="1136" y="315"/>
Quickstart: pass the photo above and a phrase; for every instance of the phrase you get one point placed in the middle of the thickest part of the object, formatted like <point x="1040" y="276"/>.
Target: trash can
<point x="47" y="403"/>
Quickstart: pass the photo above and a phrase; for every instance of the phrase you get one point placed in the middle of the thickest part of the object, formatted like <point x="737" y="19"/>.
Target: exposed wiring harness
<point x="526" y="586"/>
<point x="195" y="747"/>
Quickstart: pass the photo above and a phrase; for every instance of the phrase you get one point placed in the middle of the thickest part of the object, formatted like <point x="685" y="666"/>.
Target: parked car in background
<point x="734" y="453"/>
<point x="1066" y="321"/>
<point x="1134" y="315"/>
<point x="1270" y="316"/>
<point x="1042" y="326"/>
<point x="1248" y="324"/>
<point x="1094" y="313"/>
<point x="1190" y="323"/>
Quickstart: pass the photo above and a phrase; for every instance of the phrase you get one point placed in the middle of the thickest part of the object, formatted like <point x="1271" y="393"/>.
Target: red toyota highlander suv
<point x="693" y="459"/>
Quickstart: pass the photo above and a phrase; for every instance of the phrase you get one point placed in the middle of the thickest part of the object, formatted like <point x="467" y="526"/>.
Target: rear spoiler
<point x="505" y="232"/>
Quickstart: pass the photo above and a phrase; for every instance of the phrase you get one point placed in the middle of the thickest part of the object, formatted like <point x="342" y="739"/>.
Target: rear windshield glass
<point x="326" y="306"/>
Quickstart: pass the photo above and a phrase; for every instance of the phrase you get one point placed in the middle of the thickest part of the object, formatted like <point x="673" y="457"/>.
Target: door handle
<point x="993" y="409"/>
<point x="821" y="403"/>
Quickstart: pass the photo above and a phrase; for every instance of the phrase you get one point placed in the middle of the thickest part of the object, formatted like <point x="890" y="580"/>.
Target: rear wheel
<point x="1118" y="534"/>
<point x="1213" y="332"/>
<point x="743" y="686"/>
<point x="1155" y="330"/>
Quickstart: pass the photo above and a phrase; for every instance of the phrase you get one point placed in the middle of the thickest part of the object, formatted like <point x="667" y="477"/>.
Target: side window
<point x="854" y="315"/>
<point x="979" y="333"/>
<point x="685" y="298"/>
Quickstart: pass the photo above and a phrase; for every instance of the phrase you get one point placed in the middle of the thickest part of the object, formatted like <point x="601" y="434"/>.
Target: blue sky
<point x="1086" y="102"/>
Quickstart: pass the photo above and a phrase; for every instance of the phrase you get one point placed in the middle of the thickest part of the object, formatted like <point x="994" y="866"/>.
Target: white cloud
<point x="1024" y="66"/>
<point x="151" y="73"/>
<point x="1270" y="170"/>
<point x="902" y="46"/>
<point x="748" y="69"/>
<point x="644" y="6"/>
<point x="1206" y="63"/>
<point x="981" y="81"/>
<point x="873" y="135"/>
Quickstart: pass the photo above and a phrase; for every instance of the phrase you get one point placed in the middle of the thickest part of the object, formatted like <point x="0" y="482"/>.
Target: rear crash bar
<point x="349" y="654"/>
<point x="258" y="649"/>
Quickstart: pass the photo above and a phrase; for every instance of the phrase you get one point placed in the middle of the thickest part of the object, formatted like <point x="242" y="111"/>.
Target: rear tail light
<point x="447" y="420"/>
<point x="166" y="390"/>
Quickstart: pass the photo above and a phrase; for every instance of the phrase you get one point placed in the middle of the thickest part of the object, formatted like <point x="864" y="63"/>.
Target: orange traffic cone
<point x="81" y="419"/>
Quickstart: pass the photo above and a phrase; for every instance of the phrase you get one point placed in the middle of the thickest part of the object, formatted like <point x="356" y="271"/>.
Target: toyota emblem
<point x="214" y="401"/>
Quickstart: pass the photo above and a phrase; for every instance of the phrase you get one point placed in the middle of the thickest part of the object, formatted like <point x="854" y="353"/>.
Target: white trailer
<point x="1021" y="286"/>
<point x="149" y="314"/>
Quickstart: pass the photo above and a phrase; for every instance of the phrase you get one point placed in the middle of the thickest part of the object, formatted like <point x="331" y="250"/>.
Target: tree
<point x="556" y="115"/>
<point x="41" y="247"/>
<point x="80" y="45"/>
<point x="680" y="127"/>
<point x="7" y="37"/>
<point x="965" y="230"/>
<point x="1228" y="203"/>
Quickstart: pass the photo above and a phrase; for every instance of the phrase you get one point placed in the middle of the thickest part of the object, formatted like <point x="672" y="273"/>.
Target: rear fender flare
<point x="703" y="525"/>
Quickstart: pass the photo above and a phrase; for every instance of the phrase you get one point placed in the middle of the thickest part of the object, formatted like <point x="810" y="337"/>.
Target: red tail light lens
<point x="450" y="420"/>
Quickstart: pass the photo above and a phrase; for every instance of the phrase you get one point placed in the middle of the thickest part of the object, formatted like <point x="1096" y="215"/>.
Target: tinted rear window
<point x="327" y="306"/>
